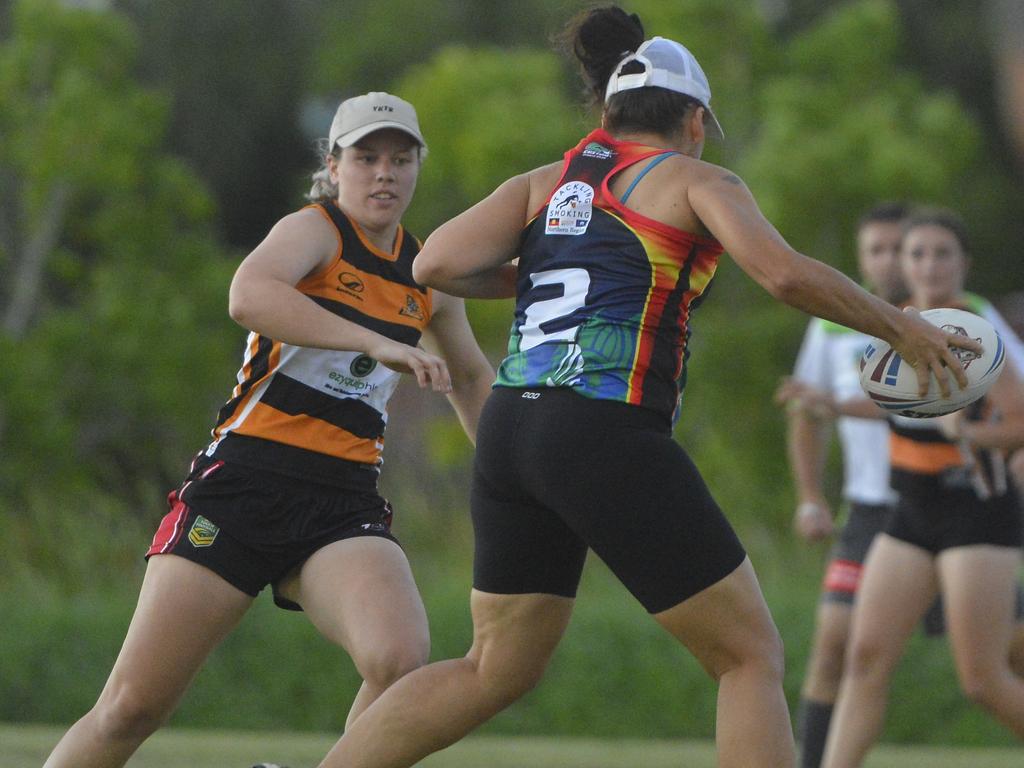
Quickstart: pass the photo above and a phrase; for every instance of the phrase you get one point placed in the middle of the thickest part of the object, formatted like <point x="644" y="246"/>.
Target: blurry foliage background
<point x="146" y="146"/>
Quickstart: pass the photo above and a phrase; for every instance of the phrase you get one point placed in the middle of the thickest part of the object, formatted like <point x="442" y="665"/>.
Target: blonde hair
<point x="323" y="188"/>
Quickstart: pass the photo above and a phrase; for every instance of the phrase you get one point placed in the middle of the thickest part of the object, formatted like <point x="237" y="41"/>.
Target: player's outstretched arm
<point x="728" y="210"/>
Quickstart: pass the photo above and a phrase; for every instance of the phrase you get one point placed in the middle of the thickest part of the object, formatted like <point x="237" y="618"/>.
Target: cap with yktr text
<point x="362" y="115"/>
<point x="666" y="64"/>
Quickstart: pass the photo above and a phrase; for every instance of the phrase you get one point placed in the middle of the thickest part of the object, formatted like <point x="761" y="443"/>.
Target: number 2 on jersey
<point x="575" y="283"/>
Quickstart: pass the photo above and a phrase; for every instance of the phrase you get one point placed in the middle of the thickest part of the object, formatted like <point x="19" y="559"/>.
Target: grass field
<point x="26" y="746"/>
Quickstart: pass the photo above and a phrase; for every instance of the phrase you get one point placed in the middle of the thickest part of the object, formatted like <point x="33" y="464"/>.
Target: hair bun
<point x="599" y="39"/>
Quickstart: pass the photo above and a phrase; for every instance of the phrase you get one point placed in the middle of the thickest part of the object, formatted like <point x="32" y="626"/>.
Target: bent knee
<point x="506" y="674"/>
<point x="507" y="684"/>
<point x="386" y="663"/>
<point x="762" y="654"/>
<point x="868" y="658"/>
<point x="129" y="715"/>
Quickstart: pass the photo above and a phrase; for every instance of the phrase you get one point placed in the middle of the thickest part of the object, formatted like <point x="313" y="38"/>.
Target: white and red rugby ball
<point x="892" y="383"/>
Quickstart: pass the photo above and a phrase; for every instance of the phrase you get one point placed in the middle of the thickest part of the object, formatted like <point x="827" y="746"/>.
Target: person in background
<point x="827" y="379"/>
<point x="956" y="530"/>
<point x="616" y="246"/>
<point x="827" y="370"/>
<point x="286" y="494"/>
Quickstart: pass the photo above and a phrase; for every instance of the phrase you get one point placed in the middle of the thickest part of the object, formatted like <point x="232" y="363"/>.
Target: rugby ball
<point x="892" y="383"/>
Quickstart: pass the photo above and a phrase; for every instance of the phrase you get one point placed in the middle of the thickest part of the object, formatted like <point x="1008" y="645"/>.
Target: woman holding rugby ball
<point x="575" y="452"/>
<point x="956" y="530"/>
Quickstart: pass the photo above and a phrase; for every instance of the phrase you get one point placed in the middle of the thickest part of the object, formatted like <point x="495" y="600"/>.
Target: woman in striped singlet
<point x="956" y="529"/>
<point x="616" y="245"/>
<point x="286" y="494"/>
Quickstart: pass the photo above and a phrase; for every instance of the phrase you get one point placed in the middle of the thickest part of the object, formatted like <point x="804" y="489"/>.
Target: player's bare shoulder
<point x="541" y="181"/>
<point x="306" y="237"/>
<point x="703" y="172"/>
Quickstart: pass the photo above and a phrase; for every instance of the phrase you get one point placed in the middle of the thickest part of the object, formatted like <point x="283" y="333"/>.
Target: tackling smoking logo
<point x="570" y="209"/>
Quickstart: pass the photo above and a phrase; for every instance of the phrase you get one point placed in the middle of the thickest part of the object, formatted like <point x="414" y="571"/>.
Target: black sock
<point x="812" y="730"/>
<point x="934" y="621"/>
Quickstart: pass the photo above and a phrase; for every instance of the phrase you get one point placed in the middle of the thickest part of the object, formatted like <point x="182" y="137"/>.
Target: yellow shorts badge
<point x="203" y="532"/>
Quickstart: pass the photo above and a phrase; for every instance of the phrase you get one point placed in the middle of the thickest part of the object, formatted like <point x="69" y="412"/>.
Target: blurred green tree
<point x="113" y="329"/>
<point x="235" y="74"/>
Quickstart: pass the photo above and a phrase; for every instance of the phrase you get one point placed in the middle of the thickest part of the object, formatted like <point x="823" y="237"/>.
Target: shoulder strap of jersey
<point x="596" y="157"/>
<point x="644" y="171"/>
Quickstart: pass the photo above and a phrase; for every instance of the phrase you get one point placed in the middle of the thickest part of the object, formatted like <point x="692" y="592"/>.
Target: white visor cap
<point x="667" y="64"/>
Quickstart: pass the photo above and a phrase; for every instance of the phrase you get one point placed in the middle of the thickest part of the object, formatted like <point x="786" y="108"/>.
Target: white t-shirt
<point x="1014" y="346"/>
<point x="829" y="359"/>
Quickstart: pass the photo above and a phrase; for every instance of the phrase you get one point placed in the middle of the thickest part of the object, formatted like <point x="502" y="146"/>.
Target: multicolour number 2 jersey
<point x="604" y="294"/>
<point x="316" y="413"/>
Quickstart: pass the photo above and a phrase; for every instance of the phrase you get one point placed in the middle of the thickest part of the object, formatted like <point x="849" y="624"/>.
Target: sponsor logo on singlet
<point x="203" y="532"/>
<point x="351" y="284"/>
<point x="411" y="308"/>
<point x="570" y="209"/>
<point x="362" y="366"/>
<point x="601" y="152"/>
<point x="354" y="384"/>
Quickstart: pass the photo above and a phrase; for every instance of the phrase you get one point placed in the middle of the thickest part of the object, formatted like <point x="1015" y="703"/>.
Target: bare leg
<point x="897" y="586"/>
<point x="184" y="611"/>
<point x="514" y="637"/>
<point x="979" y="584"/>
<point x="825" y="666"/>
<point x="1016" y="466"/>
<point x="730" y="631"/>
<point x="1017" y="649"/>
<point x="360" y="594"/>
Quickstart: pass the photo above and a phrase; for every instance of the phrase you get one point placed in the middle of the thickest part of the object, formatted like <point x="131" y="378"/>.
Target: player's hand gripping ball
<point x="892" y="383"/>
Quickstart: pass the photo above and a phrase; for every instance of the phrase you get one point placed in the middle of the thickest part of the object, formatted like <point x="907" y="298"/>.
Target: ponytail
<point x="599" y="39"/>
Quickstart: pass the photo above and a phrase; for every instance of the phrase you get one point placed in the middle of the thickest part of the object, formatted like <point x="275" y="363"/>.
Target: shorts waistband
<point x="299" y="463"/>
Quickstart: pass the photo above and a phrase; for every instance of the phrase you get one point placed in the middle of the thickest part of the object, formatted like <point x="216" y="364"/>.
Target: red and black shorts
<point x="253" y="527"/>
<point x="846" y="561"/>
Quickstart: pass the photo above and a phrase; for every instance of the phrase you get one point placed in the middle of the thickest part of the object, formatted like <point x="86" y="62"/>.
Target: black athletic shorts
<point x="557" y="473"/>
<point x="935" y="513"/>
<point x="846" y="561"/>
<point x="252" y="527"/>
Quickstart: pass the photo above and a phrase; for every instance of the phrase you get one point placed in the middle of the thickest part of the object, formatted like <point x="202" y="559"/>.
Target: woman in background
<point x="956" y="530"/>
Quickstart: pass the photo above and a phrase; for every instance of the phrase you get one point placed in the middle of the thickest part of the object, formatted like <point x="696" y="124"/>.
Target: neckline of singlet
<point x="649" y="167"/>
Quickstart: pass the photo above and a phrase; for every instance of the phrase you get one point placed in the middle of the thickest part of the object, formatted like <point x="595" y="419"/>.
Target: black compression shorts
<point x="935" y="513"/>
<point x="252" y="527"/>
<point x="557" y="473"/>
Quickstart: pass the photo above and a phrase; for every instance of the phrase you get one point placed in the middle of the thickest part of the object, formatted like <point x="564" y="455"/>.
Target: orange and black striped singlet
<point x="318" y="413"/>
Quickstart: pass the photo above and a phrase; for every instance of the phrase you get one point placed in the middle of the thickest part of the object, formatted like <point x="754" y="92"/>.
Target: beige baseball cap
<point x="362" y="115"/>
